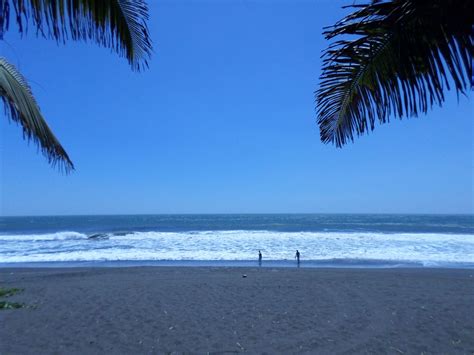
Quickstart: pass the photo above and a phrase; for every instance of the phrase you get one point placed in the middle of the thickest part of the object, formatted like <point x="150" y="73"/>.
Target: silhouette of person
<point x="259" y="257"/>
<point x="297" y="256"/>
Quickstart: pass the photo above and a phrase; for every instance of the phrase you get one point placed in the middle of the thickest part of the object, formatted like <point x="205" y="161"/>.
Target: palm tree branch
<point x="398" y="64"/>
<point x="117" y="24"/>
<point x="21" y="107"/>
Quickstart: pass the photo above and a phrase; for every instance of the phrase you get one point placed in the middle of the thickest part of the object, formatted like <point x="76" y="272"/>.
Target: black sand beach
<point x="200" y="310"/>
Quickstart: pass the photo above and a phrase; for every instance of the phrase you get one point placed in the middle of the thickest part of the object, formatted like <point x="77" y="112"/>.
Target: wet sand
<point x="200" y="310"/>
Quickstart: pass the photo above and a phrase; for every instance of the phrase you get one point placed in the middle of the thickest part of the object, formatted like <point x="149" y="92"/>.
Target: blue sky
<point x="222" y="122"/>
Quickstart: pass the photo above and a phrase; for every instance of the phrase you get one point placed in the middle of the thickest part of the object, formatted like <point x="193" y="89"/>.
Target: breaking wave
<point x="429" y="249"/>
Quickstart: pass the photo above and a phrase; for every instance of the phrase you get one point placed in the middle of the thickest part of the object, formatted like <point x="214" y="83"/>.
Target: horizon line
<point x="243" y="213"/>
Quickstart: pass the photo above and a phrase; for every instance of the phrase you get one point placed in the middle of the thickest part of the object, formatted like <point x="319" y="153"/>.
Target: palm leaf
<point x="116" y="24"/>
<point x="21" y="107"/>
<point x="404" y="56"/>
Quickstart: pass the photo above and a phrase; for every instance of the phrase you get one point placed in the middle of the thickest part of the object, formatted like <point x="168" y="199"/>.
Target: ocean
<point x="324" y="240"/>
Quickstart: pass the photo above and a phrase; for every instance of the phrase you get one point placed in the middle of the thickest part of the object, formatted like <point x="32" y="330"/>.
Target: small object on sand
<point x="244" y="275"/>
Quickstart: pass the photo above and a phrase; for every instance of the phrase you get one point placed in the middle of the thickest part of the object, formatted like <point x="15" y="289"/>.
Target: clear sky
<point x="222" y="122"/>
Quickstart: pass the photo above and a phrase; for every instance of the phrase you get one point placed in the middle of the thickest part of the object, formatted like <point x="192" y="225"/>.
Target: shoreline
<point x="214" y="309"/>
<point x="286" y="264"/>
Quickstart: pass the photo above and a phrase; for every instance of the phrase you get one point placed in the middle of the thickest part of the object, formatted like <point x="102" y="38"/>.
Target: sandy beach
<point x="217" y="310"/>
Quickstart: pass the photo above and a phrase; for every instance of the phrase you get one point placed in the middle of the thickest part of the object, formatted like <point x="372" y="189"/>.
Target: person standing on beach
<point x="259" y="257"/>
<point x="297" y="256"/>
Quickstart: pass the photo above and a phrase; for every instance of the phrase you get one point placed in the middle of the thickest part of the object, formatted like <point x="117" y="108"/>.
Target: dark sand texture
<point x="199" y="310"/>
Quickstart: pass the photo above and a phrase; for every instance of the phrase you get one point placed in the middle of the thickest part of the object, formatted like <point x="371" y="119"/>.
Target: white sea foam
<point x="39" y="237"/>
<point x="428" y="249"/>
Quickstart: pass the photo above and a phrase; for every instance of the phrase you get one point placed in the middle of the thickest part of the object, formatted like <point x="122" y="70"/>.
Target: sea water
<point x="345" y="240"/>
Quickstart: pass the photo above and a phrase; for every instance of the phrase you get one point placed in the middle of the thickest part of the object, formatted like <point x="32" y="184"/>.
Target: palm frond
<point x="117" y="24"/>
<point x="404" y="55"/>
<point x="22" y="108"/>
